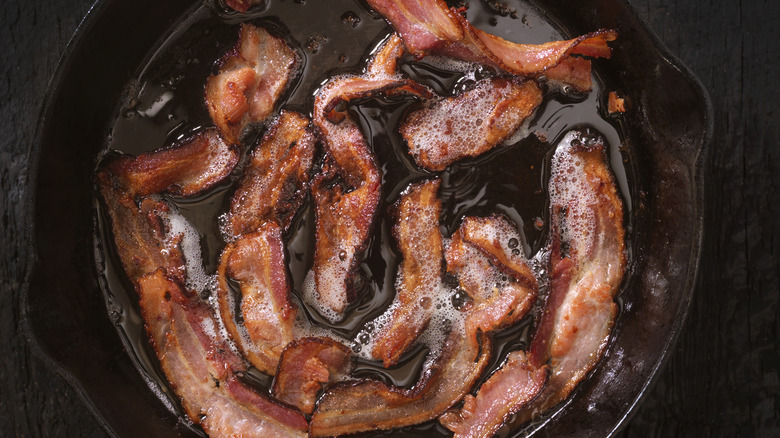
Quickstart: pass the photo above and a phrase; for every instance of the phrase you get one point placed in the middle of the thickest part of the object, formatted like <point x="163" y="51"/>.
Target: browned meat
<point x="243" y="5"/>
<point x="201" y="367"/>
<point x="514" y="385"/>
<point x="255" y="262"/>
<point x="357" y="406"/>
<point x="367" y="405"/>
<point x="347" y="193"/>
<point x="428" y="26"/>
<point x="307" y="365"/>
<point x="196" y="358"/>
<point x="468" y="125"/>
<point x="499" y="239"/>
<point x="185" y="169"/>
<point x="252" y="77"/>
<point x="419" y="276"/>
<point x="500" y="285"/>
<point x="276" y="179"/>
<point x="587" y="264"/>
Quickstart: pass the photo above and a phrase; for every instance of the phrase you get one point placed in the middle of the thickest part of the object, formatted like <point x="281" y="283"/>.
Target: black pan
<point x="64" y="315"/>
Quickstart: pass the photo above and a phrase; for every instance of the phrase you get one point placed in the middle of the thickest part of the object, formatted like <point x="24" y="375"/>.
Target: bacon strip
<point x="468" y="125"/>
<point x="351" y="407"/>
<point x="307" y="365"/>
<point x="514" y="385"/>
<point x="347" y="193"/>
<point x="185" y="169"/>
<point x="276" y="179"/>
<point x="587" y="264"/>
<point x="500" y="240"/>
<point x="201" y="367"/>
<point x="419" y="239"/>
<point x="252" y="77"/>
<point x="428" y="26"/>
<point x="501" y="286"/>
<point x="243" y="5"/>
<point x="197" y="360"/>
<point x="368" y="405"/>
<point x="256" y="263"/>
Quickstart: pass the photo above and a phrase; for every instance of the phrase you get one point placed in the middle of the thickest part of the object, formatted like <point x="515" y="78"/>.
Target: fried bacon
<point x="500" y="240"/>
<point x="587" y="264"/>
<point x="307" y="365"/>
<point x="197" y="360"/>
<point x="201" y="368"/>
<point x="419" y="239"/>
<point x="276" y="179"/>
<point x="252" y="77"/>
<point x="484" y="255"/>
<point x="468" y="125"/>
<point x="185" y="169"/>
<point x="350" y="407"/>
<point x="499" y="282"/>
<point x="243" y="5"/>
<point x="255" y="262"/>
<point x="347" y="193"/>
<point x="428" y="26"/>
<point x="513" y="386"/>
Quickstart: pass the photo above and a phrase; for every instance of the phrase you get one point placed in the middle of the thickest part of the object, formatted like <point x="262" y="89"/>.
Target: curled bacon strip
<point x="500" y="241"/>
<point x="367" y="404"/>
<point x="256" y="263"/>
<point x="499" y="281"/>
<point x="306" y="365"/>
<point x="347" y="193"/>
<point x="197" y="360"/>
<point x="470" y="124"/>
<point x="513" y="386"/>
<point x="273" y="187"/>
<point x="201" y="367"/>
<point x="243" y="5"/>
<point x="350" y="407"/>
<point x="428" y="26"/>
<point x="252" y="77"/>
<point x="587" y="264"/>
<point x="276" y="179"/>
<point x="185" y="169"/>
<point x="419" y="239"/>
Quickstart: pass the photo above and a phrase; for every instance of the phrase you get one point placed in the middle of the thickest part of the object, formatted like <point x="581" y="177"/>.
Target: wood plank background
<point x="723" y="378"/>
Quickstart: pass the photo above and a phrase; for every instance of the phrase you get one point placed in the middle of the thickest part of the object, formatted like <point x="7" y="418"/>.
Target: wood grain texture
<point x="722" y="379"/>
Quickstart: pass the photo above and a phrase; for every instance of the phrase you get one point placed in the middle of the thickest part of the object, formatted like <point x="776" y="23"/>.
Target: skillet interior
<point x="65" y="316"/>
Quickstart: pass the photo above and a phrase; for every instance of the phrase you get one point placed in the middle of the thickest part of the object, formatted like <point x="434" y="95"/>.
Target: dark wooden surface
<point x="723" y="378"/>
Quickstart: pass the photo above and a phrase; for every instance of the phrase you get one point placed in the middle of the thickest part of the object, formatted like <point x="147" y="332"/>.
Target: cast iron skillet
<point x="64" y="316"/>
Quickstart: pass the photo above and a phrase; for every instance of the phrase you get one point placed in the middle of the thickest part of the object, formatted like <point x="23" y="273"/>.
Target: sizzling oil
<point x="165" y="104"/>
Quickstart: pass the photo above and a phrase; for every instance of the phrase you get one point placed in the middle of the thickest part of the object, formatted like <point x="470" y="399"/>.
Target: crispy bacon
<point x="587" y="264"/>
<point x="197" y="360"/>
<point x="256" y="263"/>
<point x="347" y="193"/>
<point x="307" y="365"/>
<point x="252" y="77"/>
<point x="350" y="407"/>
<point x="367" y="405"/>
<point x="428" y="26"/>
<point x="276" y="179"/>
<point x="201" y="367"/>
<point x="513" y="386"/>
<point x="500" y="284"/>
<point x="468" y="125"/>
<point x="499" y="239"/>
<point x="419" y="239"/>
<point x="185" y="169"/>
